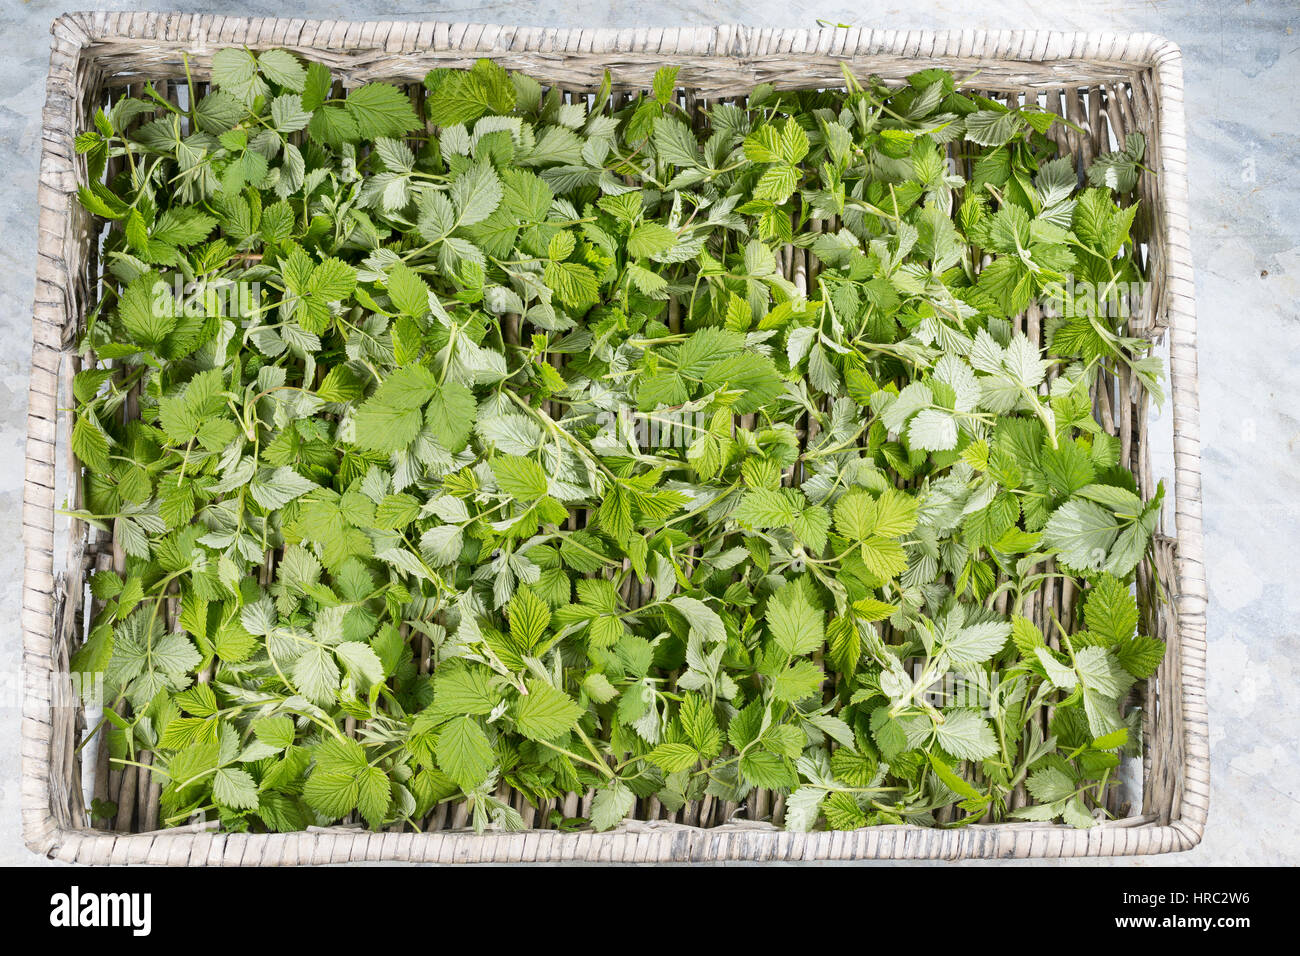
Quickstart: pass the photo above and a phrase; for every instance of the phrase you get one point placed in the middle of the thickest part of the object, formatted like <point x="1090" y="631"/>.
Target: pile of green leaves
<point x="382" y="544"/>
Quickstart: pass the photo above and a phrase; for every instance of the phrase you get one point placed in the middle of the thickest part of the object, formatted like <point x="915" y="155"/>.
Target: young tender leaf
<point x="391" y="417"/>
<point x="451" y="414"/>
<point x="611" y="805"/>
<point x="965" y="735"/>
<point x="463" y="752"/>
<point x="519" y="477"/>
<point x="545" y="713"/>
<point x="381" y="110"/>
<point x="797" y="626"/>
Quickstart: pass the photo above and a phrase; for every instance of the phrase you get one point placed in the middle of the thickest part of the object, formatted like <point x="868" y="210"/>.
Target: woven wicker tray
<point x="1107" y="84"/>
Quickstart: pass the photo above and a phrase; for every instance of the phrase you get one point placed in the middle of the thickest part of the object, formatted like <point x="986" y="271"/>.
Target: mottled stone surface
<point x="1241" y="65"/>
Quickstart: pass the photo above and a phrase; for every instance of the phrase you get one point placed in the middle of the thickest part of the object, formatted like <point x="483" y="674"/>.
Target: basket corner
<point x="1188" y="833"/>
<point x="1161" y="49"/>
<point x="73" y="28"/>
<point x="43" y="835"/>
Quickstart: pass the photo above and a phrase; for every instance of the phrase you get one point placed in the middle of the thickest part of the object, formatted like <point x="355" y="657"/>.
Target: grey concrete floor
<point x="1241" y="63"/>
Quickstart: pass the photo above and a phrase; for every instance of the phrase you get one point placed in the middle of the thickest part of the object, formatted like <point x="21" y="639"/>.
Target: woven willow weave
<point x="1106" y="84"/>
